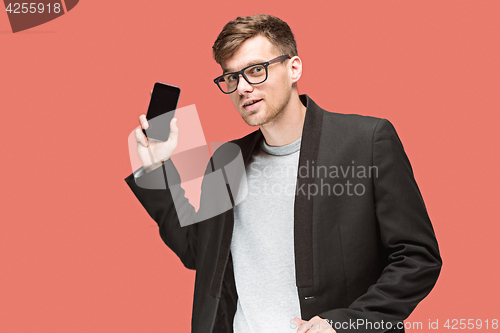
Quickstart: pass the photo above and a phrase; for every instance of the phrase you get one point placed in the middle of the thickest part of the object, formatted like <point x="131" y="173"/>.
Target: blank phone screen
<point x="163" y="101"/>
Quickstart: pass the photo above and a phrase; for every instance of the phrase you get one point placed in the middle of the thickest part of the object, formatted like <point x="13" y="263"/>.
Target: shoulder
<point x="341" y="122"/>
<point x="355" y="129"/>
<point x="353" y="122"/>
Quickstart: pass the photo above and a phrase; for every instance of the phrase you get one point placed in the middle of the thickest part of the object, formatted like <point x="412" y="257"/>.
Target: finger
<point x="297" y="320"/>
<point x="302" y="328"/>
<point x="174" y="130"/>
<point x="143" y="121"/>
<point x="141" y="138"/>
<point x="300" y="325"/>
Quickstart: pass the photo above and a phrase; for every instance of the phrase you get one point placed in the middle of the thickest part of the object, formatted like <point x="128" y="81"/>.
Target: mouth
<point x="252" y="104"/>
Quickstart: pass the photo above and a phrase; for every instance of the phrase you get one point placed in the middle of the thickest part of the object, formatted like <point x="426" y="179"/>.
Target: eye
<point x="256" y="69"/>
<point x="230" y="78"/>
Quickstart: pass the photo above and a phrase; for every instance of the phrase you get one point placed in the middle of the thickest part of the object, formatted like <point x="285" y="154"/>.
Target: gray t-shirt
<point x="262" y="246"/>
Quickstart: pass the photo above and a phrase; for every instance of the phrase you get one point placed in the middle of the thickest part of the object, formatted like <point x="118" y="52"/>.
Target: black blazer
<point x="363" y="260"/>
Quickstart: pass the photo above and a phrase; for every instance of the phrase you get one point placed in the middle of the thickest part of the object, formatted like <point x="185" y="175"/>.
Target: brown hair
<point x="237" y="31"/>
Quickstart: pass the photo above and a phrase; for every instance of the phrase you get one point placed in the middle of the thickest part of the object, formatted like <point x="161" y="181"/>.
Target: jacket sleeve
<point x="407" y="236"/>
<point x="152" y="190"/>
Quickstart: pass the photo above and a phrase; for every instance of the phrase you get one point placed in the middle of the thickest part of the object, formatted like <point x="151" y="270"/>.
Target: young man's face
<point x="272" y="95"/>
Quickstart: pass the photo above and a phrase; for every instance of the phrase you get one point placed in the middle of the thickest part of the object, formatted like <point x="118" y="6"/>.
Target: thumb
<point x="174" y="130"/>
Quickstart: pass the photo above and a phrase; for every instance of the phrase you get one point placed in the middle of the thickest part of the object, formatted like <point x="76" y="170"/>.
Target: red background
<point x="78" y="253"/>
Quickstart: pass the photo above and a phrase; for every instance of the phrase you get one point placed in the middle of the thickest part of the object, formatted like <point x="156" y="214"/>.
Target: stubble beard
<point x="271" y="114"/>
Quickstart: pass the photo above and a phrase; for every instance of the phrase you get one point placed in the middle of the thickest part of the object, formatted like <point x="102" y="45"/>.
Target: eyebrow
<point x="253" y="62"/>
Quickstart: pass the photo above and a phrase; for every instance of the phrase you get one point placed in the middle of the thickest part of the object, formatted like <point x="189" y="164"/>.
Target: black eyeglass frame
<point x="242" y="72"/>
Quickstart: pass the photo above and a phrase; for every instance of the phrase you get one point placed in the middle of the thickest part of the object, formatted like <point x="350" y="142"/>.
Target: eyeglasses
<point x="253" y="74"/>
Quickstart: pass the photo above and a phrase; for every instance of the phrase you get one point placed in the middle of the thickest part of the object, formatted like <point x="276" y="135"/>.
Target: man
<point x="351" y="250"/>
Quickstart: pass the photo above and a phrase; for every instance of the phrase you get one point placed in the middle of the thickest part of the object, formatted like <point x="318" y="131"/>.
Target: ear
<point x="295" y="69"/>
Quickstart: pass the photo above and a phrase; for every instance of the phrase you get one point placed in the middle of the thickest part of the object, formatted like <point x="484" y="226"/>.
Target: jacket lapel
<point x="303" y="209"/>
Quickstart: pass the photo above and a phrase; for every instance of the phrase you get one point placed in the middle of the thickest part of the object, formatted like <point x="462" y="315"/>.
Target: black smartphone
<point x="161" y="110"/>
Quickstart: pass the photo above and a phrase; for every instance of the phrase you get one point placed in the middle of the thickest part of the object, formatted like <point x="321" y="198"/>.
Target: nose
<point x="243" y="85"/>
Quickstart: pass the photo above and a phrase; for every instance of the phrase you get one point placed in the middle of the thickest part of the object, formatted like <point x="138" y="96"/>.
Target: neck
<point x="288" y="127"/>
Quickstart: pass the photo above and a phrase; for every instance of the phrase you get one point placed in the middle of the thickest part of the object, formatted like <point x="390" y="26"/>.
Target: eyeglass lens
<point x="255" y="74"/>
